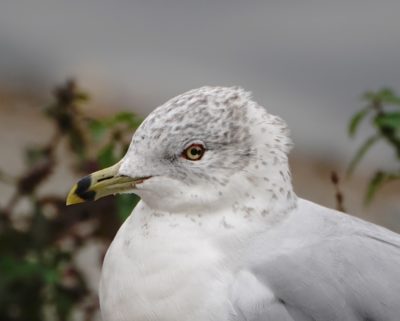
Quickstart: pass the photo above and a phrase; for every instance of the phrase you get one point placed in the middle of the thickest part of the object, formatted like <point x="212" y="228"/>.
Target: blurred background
<point x="307" y="61"/>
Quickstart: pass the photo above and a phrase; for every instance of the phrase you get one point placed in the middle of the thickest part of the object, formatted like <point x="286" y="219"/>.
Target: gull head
<point x="201" y="150"/>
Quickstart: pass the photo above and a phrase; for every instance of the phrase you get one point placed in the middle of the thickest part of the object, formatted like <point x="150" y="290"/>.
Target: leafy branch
<point x="38" y="277"/>
<point x="383" y="109"/>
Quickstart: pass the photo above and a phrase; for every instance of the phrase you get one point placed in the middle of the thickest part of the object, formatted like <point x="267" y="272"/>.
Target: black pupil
<point x="195" y="151"/>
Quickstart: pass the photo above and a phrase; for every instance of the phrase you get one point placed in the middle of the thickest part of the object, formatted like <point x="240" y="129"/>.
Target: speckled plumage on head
<point x="205" y="210"/>
<point x="239" y="136"/>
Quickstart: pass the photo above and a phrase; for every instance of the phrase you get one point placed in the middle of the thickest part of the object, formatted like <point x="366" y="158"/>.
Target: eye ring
<point x="194" y="152"/>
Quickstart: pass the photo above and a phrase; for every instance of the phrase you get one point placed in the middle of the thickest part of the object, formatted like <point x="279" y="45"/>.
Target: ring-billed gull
<point x="219" y="233"/>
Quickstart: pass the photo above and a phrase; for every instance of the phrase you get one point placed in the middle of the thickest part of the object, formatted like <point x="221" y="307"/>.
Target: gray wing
<point x="343" y="276"/>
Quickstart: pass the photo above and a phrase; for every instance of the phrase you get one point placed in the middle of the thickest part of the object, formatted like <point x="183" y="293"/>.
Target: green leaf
<point x="356" y="120"/>
<point x="51" y="276"/>
<point x="369" y="96"/>
<point x="125" y="205"/>
<point x="127" y="118"/>
<point x="361" y="152"/>
<point x="388" y="120"/>
<point x="77" y="141"/>
<point x="383" y="96"/>
<point x="97" y="129"/>
<point x="377" y="180"/>
<point x="106" y="156"/>
<point x="82" y="97"/>
<point x="388" y="96"/>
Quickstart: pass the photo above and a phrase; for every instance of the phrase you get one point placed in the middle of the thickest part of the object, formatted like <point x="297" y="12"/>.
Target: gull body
<point x="317" y="264"/>
<point x="219" y="233"/>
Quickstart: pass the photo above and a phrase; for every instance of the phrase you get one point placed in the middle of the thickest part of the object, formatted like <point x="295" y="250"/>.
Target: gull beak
<point x="102" y="183"/>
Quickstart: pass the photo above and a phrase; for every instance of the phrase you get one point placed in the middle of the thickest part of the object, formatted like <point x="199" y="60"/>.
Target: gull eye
<point x="194" y="152"/>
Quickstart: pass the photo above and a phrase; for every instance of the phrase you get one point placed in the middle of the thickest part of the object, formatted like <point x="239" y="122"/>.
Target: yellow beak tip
<point x="72" y="198"/>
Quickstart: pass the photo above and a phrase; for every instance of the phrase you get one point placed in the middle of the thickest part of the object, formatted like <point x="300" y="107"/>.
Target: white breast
<point x="157" y="271"/>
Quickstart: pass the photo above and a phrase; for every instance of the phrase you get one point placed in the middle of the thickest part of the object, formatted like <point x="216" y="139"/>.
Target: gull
<point x="220" y="235"/>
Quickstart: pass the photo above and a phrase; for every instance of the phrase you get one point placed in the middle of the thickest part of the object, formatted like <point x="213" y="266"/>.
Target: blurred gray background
<point x="308" y="61"/>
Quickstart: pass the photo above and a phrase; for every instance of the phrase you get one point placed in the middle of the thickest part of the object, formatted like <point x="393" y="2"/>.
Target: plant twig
<point x="338" y="193"/>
